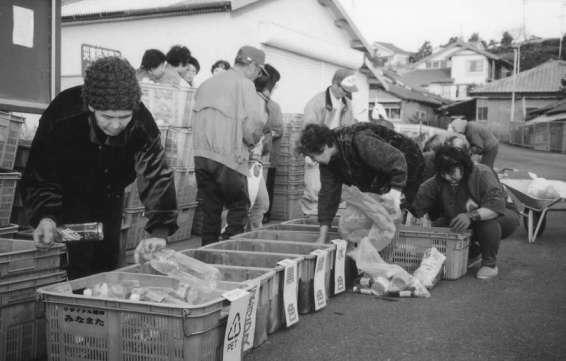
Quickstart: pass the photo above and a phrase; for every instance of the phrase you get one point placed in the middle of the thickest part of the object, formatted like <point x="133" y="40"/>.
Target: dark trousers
<point x="487" y="235"/>
<point x="218" y="187"/>
<point x="270" y="184"/>
<point x="488" y="157"/>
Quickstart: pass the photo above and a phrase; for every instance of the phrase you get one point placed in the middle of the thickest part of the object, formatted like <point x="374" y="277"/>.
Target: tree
<point x="506" y="40"/>
<point x="424" y="51"/>
<point x="475" y="37"/>
<point x="452" y="40"/>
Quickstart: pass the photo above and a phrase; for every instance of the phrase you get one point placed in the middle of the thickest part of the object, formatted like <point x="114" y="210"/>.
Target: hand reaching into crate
<point x="146" y="247"/>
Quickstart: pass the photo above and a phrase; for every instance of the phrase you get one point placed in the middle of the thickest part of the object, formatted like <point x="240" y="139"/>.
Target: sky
<point x="408" y="23"/>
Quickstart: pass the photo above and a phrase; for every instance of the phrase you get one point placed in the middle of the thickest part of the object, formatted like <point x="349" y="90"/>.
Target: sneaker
<point x="474" y="261"/>
<point x="486" y="272"/>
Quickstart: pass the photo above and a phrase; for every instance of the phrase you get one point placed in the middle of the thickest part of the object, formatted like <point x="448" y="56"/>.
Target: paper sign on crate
<point x="249" y="321"/>
<point x="290" y="291"/>
<point x="339" y="266"/>
<point x="233" y="336"/>
<point x="319" y="278"/>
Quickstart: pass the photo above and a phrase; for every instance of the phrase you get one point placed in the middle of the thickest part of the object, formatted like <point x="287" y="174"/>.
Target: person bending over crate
<point x="468" y="196"/>
<point x="371" y="157"/>
<point x="91" y="143"/>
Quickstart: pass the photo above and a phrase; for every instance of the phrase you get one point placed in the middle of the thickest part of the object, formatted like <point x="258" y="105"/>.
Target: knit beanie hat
<point x="110" y="84"/>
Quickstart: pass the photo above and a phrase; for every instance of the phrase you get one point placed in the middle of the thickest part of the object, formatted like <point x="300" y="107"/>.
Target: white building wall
<point x="460" y="69"/>
<point x="218" y="36"/>
<point x="439" y="56"/>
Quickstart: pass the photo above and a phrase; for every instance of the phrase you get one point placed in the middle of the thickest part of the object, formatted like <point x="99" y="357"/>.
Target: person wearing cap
<point x="333" y="108"/>
<point x="228" y="123"/>
<point x="482" y="141"/>
<point x="178" y="58"/>
<point x="92" y="141"/>
<point x="371" y="157"/>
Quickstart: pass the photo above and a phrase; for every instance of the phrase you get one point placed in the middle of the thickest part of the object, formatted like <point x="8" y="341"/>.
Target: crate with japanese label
<point x="170" y="107"/>
<point x="268" y="291"/>
<point x="111" y="327"/>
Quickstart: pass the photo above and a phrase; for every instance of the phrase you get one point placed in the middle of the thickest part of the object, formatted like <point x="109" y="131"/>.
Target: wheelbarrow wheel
<point x="536" y="217"/>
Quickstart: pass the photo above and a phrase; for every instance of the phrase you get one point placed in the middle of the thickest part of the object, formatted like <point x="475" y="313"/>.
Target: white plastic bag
<point x="254" y="178"/>
<point x="542" y="188"/>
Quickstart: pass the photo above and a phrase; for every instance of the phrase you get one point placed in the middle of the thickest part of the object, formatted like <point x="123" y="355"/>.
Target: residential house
<point x="390" y="54"/>
<point x="456" y="69"/>
<point x="403" y="103"/>
<point x="530" y="89"/>
<point x="306" y="40"/>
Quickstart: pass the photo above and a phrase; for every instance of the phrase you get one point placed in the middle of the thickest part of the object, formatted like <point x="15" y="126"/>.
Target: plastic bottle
<point x="81" y="232"/>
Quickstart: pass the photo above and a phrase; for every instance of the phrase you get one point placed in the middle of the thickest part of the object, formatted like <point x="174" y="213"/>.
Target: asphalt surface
<point x="520" y="315"/>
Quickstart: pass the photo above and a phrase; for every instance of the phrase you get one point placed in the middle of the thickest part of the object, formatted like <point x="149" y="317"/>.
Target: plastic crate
<point x="408" y="246"/>
<point x="131" y="330"/>
<point x="18" y="257"/>
<point x="178" y="145"/>
<point x="8" y="183"/>
<point x="306" y="289"/>
<point x="22" y="288"/>
<point x="22" y="322"/>
<point x="9" y="231"/>
<point x="185" y="223"/>
<point x="185" y="185"/>
<point x="22" y="331"/>
<point x="264" y="260"/>
<point x="134" y="222"/>
<point x="268" y="291"/>
<point x="286" y="206"/>
<point x="170" y="107"/>
<point x="185" y="188"/>
<point x="10" y="130"/>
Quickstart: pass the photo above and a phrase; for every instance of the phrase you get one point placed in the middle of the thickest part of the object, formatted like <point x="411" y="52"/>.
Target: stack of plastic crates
<point x="23" y="268"/>
<point x="172" y="110"/>
<point x="80" y="327"/>
<point x="10" y="130"/>
<point x="289" y="177"/>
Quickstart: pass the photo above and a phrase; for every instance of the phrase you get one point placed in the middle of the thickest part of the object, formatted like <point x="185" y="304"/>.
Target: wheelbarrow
<point x="534" y="210"/>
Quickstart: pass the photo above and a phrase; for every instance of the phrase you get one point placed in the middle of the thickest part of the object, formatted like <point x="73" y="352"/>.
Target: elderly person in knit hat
<point x="332" y="108"/>
<point x="92" y="141"/>
<point x="482" y="141"/>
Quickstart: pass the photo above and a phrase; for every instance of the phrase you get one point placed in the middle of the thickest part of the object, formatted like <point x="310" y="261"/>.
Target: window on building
<point x="482" y="113"/>
<point x="393" y="111"/>
<point x="428" y="64"/>
<point x="420" y="115"/>
<point x="475" y="66"/>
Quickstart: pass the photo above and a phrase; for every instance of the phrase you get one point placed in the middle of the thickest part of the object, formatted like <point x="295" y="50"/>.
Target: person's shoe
<point x="474" y="261"/>
<point x="486" y="272"/>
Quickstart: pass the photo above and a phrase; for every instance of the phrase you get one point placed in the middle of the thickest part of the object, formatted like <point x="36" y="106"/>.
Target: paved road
<point x="519" y="316"/>
<point x="547" y="165"/>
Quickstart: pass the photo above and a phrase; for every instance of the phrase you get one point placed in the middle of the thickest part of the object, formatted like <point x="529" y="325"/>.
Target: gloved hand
<point x="395" y="196"/>
<point x="45" y="234"/>
<point x="146" y="247"/>
<point x="461" y="223"/>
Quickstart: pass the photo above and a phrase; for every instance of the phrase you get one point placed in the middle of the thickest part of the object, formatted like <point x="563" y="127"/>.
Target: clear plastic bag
<point x="187" y="269"/>
<point x="368" y="212"/>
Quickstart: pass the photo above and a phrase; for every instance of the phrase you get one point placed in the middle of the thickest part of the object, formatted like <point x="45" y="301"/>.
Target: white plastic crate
<point x="178" y="144"/>
<point x="10" y="130"/>
<point x="170" y="107"/>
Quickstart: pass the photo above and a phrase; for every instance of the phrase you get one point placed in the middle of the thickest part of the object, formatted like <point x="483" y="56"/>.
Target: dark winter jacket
<point x="373" y="158"/>
<point x="77" y="174"/>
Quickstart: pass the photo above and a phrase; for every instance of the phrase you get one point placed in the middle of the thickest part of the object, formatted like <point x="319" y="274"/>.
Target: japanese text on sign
<point x="290" y="291"/>
<point x="239" y="300"/>
<point x="339" y="266"/>
<point x="89" y="53"/>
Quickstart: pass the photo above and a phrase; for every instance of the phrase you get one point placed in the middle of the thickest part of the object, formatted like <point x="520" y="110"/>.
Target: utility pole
<point x="515" y="66"/>
<point x="561" y="29"/>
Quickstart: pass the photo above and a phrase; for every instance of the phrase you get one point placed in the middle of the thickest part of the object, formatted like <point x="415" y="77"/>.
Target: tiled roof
<point x="414" y="95"/>
<point x="544" y="78"/>
<point x="554" y="108"/>
<point x="93" y="7"/>
<point x="393" y="48"/>
<point x="425" y="77"/>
